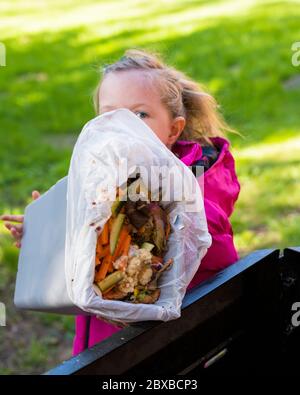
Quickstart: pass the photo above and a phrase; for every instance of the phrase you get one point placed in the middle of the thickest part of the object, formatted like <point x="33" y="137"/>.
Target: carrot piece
<point x="110" y="223"/>
<point x="120" y="246"/>
<point x="99" y="247"/>
<point x="104" y="267"/>
<point x="104" y="252"/>
<point x="97" y="268"/>
<point x="104" y="236"/>
<point x="97" y="278"/>
<point x="126" y="245"/>
<point x="111" y="266"/>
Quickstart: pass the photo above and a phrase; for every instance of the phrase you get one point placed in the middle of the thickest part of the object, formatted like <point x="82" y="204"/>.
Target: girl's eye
<point x="142" y="114"/>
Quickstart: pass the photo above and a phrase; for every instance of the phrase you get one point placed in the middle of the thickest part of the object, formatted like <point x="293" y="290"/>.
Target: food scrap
<point x="131" y="247"/>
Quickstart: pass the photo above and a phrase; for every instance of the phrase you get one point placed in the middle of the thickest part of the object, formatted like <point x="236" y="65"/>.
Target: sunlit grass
<point x="268" y="211"/>
<point x="112" y="17"/>
<point x="230" y="46"/>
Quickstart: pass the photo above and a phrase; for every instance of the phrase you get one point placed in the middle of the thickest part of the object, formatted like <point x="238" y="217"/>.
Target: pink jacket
<point x="221" y="190"/>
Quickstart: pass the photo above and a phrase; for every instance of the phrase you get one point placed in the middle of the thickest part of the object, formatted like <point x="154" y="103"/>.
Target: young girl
<point x="185" y="119"/>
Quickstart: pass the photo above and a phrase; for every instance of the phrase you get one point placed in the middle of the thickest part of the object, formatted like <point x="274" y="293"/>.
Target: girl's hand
<point x="16" y="230"/>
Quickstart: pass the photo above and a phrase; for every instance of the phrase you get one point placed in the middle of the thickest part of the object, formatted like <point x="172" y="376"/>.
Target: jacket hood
<point x="221" y="185"/>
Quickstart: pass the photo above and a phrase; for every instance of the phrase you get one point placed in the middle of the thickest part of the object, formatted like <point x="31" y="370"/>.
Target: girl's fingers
<point x="19" y="218"/>
<point x="18" y="228"/>
<point x="13" y="218"/>
<point x="16" y="235"/>
<point x="35" y="195"/>
<point x="18" y="244"/>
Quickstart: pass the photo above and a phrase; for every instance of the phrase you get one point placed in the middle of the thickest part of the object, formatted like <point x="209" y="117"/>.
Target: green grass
<point x="241" y="50"/>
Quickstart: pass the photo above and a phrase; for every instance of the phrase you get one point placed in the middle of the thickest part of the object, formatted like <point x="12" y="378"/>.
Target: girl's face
<point x="134" y="90"/>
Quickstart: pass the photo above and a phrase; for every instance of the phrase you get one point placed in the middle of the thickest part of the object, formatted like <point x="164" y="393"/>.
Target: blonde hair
<point x="181" y="95"/>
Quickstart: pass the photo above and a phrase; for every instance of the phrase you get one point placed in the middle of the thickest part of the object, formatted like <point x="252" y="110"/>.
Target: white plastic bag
<point x="101" y="147"/>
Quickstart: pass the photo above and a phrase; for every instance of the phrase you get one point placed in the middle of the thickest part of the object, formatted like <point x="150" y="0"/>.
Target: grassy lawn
<point x="241" y="50"/>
